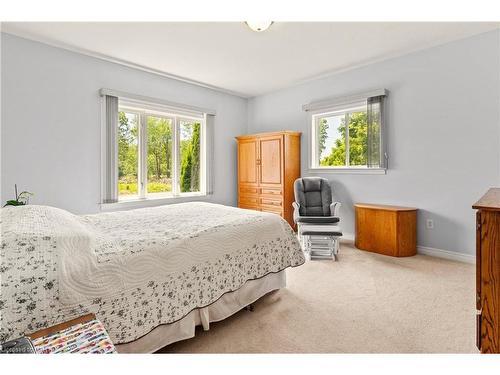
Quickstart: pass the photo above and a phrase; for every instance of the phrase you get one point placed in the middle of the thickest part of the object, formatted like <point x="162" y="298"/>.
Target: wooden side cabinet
<point x="488" y="271"/>
<point x="388" y="230"/>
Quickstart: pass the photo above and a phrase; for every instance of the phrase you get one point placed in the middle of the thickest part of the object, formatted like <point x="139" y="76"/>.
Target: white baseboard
<point x="347" y="237"/>
<point x="446" y="254"/>
<point x="430" y="251"/>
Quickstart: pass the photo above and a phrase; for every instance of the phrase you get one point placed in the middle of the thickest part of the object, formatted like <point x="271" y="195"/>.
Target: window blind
<point x="376" y="157"/>
<point x="110" y="193"/>
<point x="340" y="102"/>
<point x="210" y="152"/>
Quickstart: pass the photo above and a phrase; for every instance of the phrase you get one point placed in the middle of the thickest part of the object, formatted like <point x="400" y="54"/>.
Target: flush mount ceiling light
<point x="259" y="26"/>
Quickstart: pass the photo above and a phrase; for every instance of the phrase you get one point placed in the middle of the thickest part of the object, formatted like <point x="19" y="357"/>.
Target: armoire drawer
<point x="247" y="190"/>
<point x="271" y="201"/>
<point x="249" y="200"/>
<point x="271" y="191"/>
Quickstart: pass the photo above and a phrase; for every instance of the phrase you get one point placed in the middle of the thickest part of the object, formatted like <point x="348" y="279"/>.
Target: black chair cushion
<point x="318" y="233"/>
<point x="318" y="219"/>
<point x="314" y="196"/>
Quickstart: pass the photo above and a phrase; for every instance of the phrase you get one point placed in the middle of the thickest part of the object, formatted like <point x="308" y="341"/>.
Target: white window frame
<point x="143" y="110"/>
<point x="315" y="158"/>
<point x="176" y="119"/>
<point x="338" y="106"/>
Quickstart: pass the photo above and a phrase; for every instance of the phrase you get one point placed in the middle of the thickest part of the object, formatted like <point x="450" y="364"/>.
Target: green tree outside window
<point x="357" y="142"/>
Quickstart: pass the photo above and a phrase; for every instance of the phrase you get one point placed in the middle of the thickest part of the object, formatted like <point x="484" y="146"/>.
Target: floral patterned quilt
<point x="134" y="269"/>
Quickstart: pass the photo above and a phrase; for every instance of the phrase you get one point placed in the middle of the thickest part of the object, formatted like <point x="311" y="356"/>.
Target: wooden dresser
<point x="488" y="271"/>
<point x="268" y="165"/>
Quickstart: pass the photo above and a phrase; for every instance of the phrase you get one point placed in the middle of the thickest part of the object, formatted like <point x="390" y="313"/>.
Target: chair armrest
<point x="335" y="209"/>
<point x="296" y="213"/>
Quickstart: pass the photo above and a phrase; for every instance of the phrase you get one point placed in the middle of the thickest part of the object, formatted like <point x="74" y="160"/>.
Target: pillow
<point x="40" y="221"/>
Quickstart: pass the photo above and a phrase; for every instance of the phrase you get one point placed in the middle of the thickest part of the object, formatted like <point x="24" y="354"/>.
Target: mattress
<point x="136" y="270"/>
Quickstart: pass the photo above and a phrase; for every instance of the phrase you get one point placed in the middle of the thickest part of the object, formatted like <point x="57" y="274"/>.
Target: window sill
<point x="128" y="204"/>
<point x="349" y="170"/>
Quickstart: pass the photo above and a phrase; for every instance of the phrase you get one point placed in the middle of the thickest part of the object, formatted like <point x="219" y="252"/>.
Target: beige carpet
<point x="365" y="303"/>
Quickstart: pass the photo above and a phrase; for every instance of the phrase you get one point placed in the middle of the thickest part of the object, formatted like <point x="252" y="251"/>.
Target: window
<point x="128" y="150"/>
<point x="153" y="150"/>
<point x="341" y="138"/>
<point x="189" y="155"/>
<point x="348" y="137"/>
<point x="159" y="154"/>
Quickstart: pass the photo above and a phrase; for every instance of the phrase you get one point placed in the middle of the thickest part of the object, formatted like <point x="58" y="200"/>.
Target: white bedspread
<point x="135" y="269"/>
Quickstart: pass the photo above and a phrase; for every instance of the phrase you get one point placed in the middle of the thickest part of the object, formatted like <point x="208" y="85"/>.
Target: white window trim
<point x="149" y="101"/>
<point x="333" y="106"/>
<point x="127" y="204"/>
<point x="340" y="102"/>
<point x="137" y="104"/>
<point x="347" y="170"/>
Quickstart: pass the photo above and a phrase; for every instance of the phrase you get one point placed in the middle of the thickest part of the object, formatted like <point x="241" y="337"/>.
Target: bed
<point x="150" y="275"/>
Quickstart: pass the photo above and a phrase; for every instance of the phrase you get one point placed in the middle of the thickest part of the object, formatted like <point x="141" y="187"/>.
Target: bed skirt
<point x="227" y="305"/>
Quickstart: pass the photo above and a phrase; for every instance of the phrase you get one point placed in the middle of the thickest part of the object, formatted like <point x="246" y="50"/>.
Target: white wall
<point x="51" y="122"/>
<point x="444" y="133"/>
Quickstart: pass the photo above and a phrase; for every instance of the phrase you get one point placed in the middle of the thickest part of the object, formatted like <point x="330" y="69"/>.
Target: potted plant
<point x="21" y="198"/>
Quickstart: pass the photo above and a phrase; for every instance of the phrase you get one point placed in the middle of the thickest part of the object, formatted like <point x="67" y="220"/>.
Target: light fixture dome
<point x="259" y="26"/>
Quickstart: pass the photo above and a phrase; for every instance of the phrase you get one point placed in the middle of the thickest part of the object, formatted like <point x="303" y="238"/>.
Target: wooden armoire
<point x="488" y="271"/>
<point x="268" y="165"/>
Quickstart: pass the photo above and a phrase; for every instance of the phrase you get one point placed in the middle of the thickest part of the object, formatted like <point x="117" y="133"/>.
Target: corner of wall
<point x="250" y="113"/>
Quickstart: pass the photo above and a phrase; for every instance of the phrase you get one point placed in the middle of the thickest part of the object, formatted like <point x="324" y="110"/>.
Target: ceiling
<point x="231" y="57"/>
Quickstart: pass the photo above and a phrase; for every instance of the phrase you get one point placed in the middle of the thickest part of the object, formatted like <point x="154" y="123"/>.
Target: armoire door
<point x="270" y="161"/>
<point x="247" y="162"/>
